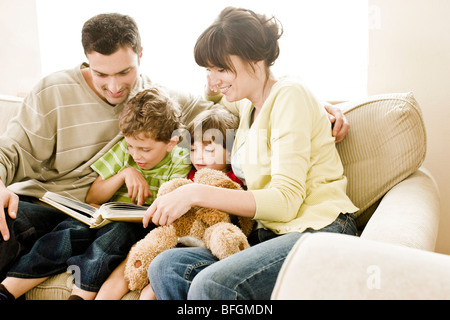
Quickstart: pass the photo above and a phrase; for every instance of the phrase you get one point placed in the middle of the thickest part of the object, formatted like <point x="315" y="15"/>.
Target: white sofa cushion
<point x="336" y="266"/>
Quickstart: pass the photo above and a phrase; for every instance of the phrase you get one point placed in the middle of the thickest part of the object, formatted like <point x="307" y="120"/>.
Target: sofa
<point x="398" y="199"/>
<point x="392" y="258"/>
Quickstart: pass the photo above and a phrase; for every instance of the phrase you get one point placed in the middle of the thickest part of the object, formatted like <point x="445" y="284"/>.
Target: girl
<point x="212" y="134"/>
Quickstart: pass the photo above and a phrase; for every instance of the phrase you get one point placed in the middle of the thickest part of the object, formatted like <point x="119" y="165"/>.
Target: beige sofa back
<point x="386" y="144"/>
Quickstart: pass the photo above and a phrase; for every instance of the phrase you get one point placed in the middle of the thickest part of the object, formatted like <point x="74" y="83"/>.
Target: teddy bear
<point x="218" y="231"/>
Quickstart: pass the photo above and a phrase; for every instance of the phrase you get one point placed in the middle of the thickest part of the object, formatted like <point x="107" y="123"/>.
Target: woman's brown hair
<point x="241" y="32"/>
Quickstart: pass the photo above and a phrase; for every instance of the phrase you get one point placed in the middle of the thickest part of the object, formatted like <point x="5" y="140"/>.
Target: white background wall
<point x="20" y="52"/>
<point x="409" y="50"/>
<point x="324" y="41"/>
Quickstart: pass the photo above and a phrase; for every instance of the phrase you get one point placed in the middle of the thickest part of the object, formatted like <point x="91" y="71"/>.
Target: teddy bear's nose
<point x="137" y="264"/>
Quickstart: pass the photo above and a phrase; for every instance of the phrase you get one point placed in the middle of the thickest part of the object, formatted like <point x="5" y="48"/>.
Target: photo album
<point x="93" y="216"/>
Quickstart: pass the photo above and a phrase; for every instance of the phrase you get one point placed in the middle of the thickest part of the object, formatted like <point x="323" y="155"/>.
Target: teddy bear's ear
<point x="171" y="185"/>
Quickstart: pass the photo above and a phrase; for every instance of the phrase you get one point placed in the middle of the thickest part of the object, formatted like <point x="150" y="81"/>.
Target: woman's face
<point x="235" y="86"/>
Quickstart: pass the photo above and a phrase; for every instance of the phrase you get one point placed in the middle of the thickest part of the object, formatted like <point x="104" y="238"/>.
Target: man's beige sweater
<point x="61" y="129"/>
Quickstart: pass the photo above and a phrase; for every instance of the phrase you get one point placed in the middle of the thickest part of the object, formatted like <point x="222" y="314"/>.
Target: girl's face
<point x="235" y="86"/>
<point x="208" y="155"/>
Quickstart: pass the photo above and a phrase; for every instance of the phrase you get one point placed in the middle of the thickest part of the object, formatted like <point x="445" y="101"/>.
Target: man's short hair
<point x="107" y="33"/>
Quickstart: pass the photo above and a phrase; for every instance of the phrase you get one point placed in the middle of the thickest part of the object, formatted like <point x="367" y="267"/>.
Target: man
<point x="66" y="123"/>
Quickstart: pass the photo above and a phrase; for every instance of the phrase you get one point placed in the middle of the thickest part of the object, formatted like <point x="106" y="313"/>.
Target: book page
<point x="71" y="203"/>
<point x="79" y="215"/>
<point x="121" y="211"/>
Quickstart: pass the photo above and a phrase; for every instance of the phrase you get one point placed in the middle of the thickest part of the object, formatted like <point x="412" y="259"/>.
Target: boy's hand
<point x="137" y="186"/>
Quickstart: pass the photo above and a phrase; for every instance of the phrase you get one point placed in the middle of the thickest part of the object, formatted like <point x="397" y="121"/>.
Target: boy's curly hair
<point x="153" y="113"/>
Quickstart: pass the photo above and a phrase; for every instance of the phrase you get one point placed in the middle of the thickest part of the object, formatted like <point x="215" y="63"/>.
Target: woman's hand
<point x="337" y="118"/>
<point x="137" y="186"/>
<point x="169" y="207"/>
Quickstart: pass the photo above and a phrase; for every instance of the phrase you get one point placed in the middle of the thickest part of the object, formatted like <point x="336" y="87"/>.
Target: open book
<point x="92" y="216"/>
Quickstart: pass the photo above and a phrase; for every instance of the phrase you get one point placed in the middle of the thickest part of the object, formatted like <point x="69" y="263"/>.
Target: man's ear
<point x="172" y="143"/>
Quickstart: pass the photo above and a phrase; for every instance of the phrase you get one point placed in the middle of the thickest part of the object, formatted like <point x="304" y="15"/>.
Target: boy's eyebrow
<point x="104" y="74"/>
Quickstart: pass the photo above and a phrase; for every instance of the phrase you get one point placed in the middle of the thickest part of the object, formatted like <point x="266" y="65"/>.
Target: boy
<point x="134" y="169"/>
<point x="147" y="156"/>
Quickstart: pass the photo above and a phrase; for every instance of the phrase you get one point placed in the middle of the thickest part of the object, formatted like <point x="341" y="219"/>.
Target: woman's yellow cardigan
<point x="290" y="161"/>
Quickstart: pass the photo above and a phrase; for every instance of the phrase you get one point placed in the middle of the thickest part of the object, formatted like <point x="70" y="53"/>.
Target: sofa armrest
<point x="408" y="214"/>
<point x="336" y="266"/>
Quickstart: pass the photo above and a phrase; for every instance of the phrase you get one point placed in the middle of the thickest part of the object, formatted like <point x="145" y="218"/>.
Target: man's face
<point x="114" y="76"/>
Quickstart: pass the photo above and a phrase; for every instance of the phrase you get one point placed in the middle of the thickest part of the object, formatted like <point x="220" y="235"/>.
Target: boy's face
<point x="208" y="155"/>
<point x="113" y="76"/>
<point x="147" y="152"/>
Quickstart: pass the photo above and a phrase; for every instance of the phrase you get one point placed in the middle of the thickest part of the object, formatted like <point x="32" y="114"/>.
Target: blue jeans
<point x="32" y="222"/>
<point x="94" y="253"/>
<point x="194" y="273"/>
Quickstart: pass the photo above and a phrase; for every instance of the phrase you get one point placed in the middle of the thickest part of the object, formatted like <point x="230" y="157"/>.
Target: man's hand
<point x="339" y="121"/>
<point x="10" y="201"/>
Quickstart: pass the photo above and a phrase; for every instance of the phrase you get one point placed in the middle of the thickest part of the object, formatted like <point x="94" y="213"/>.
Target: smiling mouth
<point x="225" y="90"/>
<point x="116" y="95"/>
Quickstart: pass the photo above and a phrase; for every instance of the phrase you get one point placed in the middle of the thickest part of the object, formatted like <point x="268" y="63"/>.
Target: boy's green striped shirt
<point x="176" y="164"/>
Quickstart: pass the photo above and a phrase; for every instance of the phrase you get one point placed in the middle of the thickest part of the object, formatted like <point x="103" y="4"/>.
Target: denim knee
<point x="172" y="271"/>
<point x="166" y="280"/>
<point x="212" y="286"/>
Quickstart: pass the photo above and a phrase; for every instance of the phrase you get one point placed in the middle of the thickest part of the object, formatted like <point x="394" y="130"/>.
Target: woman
<point x="283" y="151"/>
